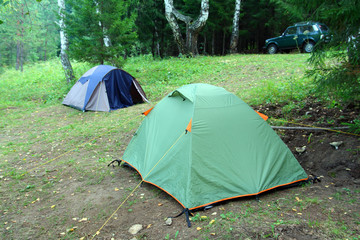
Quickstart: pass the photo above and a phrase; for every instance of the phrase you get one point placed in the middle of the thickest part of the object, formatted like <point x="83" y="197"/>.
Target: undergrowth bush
<point x="286" y="90"/>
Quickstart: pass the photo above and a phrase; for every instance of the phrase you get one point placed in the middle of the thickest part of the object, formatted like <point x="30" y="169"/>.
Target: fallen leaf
<point x="298" y="199"/>
<point x="294" y="210"/>
<point x="212" y="234"/>
<point x="198" y="228"/>
<point x="75" y="219"/>
<point x="212" y="221"/>
<point x="116" y="189"/>
<point x="83" y="220"/>
<point x="160" y="204"/>
<point x="330" y="198"/>
<point x="52" y="206"/>
<point x="299" y="213"/>
<point x="148" y="226"/>
<point x="203" y="217"/>
<point x="71" y="229"/>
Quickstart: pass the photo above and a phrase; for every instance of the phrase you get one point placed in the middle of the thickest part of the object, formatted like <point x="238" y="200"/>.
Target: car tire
<point x="272" y="49"/>
<point x="308" y="47"/>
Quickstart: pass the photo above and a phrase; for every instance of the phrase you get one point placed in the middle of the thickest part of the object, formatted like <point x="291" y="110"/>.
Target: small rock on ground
<point x="168" y="221"/>
<point x="134" y="229"/>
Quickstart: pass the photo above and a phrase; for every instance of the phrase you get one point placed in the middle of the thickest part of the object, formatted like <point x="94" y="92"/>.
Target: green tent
<point x="202" y="145"/>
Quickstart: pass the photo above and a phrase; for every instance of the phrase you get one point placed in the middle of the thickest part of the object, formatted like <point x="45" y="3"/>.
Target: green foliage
<point x="354" y="127"/>
<point x="286" y="90"/>
<point x="155" y="35"/>
<point x="29" y="28"/>
<point x="100" y="31"/>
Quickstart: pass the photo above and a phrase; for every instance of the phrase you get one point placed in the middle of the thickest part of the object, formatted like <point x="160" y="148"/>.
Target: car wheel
<point x="308" y="47"/>
<point x="272" y="49"/>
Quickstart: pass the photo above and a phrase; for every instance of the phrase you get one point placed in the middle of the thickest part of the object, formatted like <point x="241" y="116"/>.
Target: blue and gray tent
<point x="105" y="88"/>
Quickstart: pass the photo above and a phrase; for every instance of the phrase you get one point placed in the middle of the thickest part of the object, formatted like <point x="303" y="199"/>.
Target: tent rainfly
<point x="105" y="88"/>
<point x="203" y="145"/>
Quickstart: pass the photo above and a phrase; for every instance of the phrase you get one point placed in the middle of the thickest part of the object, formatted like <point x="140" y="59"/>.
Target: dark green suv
<point x="302" y="36"/>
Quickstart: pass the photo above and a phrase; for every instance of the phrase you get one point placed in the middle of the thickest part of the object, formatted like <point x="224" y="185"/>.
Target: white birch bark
<point x="64" y="43"/>
<point x="169" y="14"/>
<point x="192" y="27"/>
<point x="235" y="31"/>
<point x="106" y="38"/>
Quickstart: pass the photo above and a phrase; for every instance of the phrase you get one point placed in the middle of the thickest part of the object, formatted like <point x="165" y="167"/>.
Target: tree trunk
<point x="223" y="45"/>
<point x="106" y="38"/>
<point x="45" y="45"/>
<point x="65" y="62"/>
<point x="156" y="40"/>
<point x="20" y="41"/>
<point x="17" y="55"/>
<point x="21" y="56"/>
<point x="213" y="44"/>
<point x="174" y="26"/>
<point x="235" y="31"/>
<point x="205" y="44"/>
<point x="193" y="28"/>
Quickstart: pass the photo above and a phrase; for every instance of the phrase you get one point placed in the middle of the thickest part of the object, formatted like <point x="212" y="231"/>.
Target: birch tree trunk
<point x="106" y="37"/>
<point x="213" y="43"/>
<point x="20" y="41"/>
<point x="193" y="27"/>
<point x="65" y="62"/>
<point x="235" y="31"/>
<point x="157" y="52"/>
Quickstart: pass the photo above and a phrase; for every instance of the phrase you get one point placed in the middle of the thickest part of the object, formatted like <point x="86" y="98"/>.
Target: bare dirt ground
<point x="73" y="200"/>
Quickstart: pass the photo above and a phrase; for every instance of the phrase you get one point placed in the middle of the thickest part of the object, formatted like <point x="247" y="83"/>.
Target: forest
<point x="30" y="29"/>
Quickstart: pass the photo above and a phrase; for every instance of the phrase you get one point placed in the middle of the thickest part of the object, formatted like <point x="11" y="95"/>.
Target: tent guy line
<point x="137" y="186"/>
<point x="314" y="127"/>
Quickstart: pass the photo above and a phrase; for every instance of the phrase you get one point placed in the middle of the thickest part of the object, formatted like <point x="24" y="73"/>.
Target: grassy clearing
<point x="53" y="159"/>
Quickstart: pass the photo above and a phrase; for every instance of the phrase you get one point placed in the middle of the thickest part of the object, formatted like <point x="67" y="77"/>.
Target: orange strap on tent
<point x="188" y="128"/>
<point x="148" y="111"/>
<point x="262" y="115"/>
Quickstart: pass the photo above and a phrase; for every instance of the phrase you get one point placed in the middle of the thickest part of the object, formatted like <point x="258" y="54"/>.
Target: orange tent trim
<point x="148" y="111"/>
<point x="188" y="128"/>
<point x="221" y="200"/>
<point x="249" y="195"/>
<point x="262" y="115"/>
<point x="154" y="184"/>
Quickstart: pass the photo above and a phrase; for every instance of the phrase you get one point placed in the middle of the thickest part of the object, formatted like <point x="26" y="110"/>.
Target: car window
<point x="323" y="28"/>
<point x="307" y="29"/>
<point x="290" y="30"/>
